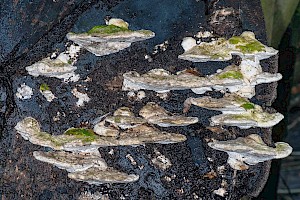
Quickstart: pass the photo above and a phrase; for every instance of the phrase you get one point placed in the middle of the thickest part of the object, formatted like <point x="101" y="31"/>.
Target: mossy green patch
<point x="107" y="29"/>
<point x="235" y="40"/>
<point x="230" y="74"/>
<point x="44" y="87"/>
<point x="86" y="135"/>
<point x="48" y="137"/>
<point x="248" y="106"/>
<point x="246" y="45"/>
<point x="251" y="47"/>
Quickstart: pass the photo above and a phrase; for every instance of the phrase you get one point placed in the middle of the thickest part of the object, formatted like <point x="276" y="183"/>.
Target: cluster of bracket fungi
<point x="76" y="150"/>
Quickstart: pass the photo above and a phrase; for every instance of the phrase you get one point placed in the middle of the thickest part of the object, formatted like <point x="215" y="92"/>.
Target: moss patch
<point x="248" y="106"/>
<point x="86" y="135"/>
<point x="107" y="29"/>
<point x="230" y="74"/>
<point x="246" y="45"/>
<point x="44" y="87"/>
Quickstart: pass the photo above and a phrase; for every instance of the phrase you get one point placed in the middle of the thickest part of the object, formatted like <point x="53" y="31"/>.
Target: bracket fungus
<point x="154" y="114"/>
<point x="245" y="46"/>
<point x="58" y="68"/>
<point x="161" y="81"/>
<point x="124" y="119"/>
<point x="86" y="140"/>
<point x="97" y="176"/>
<point x="71" y="161"/>
<point x="107" y="39"/>
<point x="85" y="167"/>
<point x="250" y="150"/>
<point x="237" y="111"/>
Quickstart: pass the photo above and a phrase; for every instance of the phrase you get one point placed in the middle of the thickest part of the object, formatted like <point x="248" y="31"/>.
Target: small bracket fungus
<point x="24" y="92"/>
<point x="155" y="114"/>
<point x="237" y="111"/>
<point x="250" y="150"/>
<point x="245" y="45"/>
<point x="46" y="92"/>
<point x="59" y="68"/>
<point x="124" y="119"/>
<point x="106" y="39"/>
<point x="85" y="140"/>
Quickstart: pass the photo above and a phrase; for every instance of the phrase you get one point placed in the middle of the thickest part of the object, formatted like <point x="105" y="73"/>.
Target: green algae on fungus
<point x="244" y="45"/>
<point x="247" y="43"/>
<point x="248" y="106"/>
<point x="44" y="87"/>
<point x="230" y="74"/>
<point x="87" y="135"/>
<point x="107" y="29"/>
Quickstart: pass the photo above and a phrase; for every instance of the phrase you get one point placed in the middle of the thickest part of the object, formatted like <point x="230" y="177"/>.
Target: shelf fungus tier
<point x="235" y="79"/>
<point x="250" y="150"/>
<point x="85" y="140"/>
<point x="107" y="39"/>
<point x="245" y="46"/>
<point x="237" y="111"/>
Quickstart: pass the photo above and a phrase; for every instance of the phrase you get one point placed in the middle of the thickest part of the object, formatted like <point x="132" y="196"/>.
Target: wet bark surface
<point x="32" y="31"/>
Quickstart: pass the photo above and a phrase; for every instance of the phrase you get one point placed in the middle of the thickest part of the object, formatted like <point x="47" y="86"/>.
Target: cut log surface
<point x="33" y="30"/>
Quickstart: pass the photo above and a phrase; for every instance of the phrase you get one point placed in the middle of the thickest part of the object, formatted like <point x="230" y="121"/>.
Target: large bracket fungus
<point x="250" y="150"/>
<point x="246" y="46"/>
<point x="86" y="140"/>
<point x="107" y="39"/>
<point x="236" y="79"/>
<point x="237" y="111"/>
